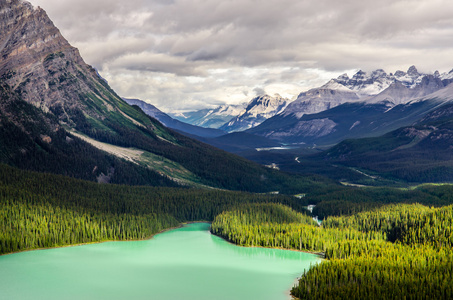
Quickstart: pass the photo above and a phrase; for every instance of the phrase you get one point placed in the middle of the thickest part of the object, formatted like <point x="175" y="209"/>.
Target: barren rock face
<point x="37" y="61"/>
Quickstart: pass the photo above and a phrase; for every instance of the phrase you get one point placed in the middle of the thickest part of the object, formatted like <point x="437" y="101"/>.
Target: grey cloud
<point x="279" y="39"/>
<point x="259" y="91"/>
<point x="157" y="63"/>
<point x="250" y="34"/>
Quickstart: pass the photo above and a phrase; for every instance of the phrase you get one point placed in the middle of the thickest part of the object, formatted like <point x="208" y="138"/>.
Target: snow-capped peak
<point x="257" y="111"/>
<point x="448" y="75"/>
<point x="364" y="84"/>
<point x="335" y="85"/>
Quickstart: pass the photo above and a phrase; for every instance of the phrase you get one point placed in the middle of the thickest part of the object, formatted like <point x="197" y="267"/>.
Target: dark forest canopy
<point x="45" y="210"/>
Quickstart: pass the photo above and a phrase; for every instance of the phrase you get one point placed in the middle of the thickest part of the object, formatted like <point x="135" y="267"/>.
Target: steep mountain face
<point x="211" y="118"/>
<point x="46" y="76"/>
<point x="364" y="84"/>
<point x="257" y="111"/>
<point x="168" y="121"/>
<point x="44" y="68"/>
<point x="399" y="93"/>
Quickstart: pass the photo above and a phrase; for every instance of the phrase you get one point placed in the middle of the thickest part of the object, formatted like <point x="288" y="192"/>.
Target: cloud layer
<point x="187" y="54"/>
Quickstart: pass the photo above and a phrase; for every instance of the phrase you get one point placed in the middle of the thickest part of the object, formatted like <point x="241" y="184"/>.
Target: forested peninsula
<point x="392" y="252"/>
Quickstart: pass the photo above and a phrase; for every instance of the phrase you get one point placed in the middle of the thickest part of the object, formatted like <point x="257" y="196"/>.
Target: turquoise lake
<point x="186" y="263"/>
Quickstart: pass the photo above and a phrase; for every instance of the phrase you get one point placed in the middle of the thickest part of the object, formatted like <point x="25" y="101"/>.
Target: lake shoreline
<point x="107" y="241"/>
<point x="321" y="255"/>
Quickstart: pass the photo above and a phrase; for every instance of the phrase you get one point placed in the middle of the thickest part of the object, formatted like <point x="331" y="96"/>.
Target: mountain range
<point x="364" y="105"/>
<point x="58" y="115"/>
<point x="313" y="117"/>
<point x="421" y="152"/>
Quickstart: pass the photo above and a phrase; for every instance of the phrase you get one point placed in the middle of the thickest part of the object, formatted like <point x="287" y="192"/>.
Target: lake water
<point x="186" y="263"/>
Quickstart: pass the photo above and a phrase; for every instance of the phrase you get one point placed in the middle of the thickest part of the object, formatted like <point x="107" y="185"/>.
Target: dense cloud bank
<point x="181" y="54"/>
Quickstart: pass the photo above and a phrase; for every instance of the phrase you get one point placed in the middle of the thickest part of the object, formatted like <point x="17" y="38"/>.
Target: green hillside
<point x="418" y="153"/>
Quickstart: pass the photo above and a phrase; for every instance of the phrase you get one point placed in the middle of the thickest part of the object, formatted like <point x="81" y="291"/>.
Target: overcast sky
<point x="190" y="54"/>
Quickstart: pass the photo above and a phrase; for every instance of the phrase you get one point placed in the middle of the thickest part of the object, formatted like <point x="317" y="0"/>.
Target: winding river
<point x="186" y="263"/>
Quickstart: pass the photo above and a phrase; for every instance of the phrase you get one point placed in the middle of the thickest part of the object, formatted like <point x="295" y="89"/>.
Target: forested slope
<point x="44" y="210"/>
<point x="417" y="153"/>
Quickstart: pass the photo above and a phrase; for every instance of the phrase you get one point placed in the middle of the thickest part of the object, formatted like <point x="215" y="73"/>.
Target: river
<point x="185" y="263"/>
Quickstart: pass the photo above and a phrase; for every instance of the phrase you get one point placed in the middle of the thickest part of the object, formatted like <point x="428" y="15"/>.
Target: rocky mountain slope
<point x="319" y="99"/>
<point x="419" y="152"/>
<point x="257" y="111"/>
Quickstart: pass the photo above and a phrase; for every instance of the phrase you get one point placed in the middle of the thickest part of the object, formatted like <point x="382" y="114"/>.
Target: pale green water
<point x="187" y="263"/>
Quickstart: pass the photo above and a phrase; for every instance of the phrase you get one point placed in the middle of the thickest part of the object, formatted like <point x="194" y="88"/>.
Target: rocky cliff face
<point x="399" y="93"/>
<point x="320" y="99"/>
<point x="40" y="64"/>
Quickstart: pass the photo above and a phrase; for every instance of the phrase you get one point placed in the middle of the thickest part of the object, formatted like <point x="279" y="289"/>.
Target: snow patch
<point x="355" y="124"/>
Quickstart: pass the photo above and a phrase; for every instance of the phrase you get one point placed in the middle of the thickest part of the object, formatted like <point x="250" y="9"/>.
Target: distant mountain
<point x="319" y="99"/>
<point x="234" y="142"/>
<point x="168" y="121"/>
<point x="210" y="118"/>
<point x="257" y="111"/>
<point x="55" y="107"/>
<point x="376" y="82"/>
<point x="345" y="108"/>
